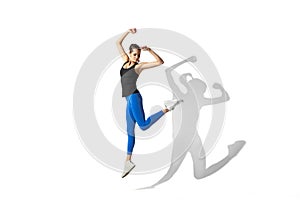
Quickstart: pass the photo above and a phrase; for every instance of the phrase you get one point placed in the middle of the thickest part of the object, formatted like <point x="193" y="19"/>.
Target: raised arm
<point x="172" y="83"/>
<point x="146" y="65"/>
<point x="120" y="46"/>
<point x="182" y="78"/>
<point x="224" y="97"/>
<point x="190" y="59"/>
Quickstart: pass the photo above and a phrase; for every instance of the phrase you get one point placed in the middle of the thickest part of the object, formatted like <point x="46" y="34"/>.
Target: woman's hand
<point x="145" y="48"/>
<point x="132" y="30"/>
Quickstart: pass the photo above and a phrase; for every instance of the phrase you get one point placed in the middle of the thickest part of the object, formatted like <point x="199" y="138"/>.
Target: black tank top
<point x="128" y="80"/>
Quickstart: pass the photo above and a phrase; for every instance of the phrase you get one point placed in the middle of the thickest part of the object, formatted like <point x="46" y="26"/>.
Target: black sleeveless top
<point x="128" y="80"/>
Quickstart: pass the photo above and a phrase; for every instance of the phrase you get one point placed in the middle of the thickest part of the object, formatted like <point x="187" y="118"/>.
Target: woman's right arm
<point x="119" y="44"/>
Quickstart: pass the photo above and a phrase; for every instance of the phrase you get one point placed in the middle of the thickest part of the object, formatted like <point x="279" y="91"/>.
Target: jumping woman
<point x="129" y="73"/>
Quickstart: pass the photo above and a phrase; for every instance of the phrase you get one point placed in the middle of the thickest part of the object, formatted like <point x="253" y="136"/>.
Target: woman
<point x="130" y="72"/>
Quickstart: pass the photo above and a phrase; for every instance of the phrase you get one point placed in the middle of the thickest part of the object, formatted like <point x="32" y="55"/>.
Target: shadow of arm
<point x="225" y="97"/>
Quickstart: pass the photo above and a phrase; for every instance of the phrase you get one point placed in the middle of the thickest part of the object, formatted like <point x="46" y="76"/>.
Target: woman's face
<point x="135" y="55"/>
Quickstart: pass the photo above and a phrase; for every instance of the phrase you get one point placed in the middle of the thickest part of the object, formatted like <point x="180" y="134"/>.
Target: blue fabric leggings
<point x="135" y="114"/>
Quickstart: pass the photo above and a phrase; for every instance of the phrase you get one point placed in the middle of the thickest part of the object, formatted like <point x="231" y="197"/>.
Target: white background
<point x="254" y="44"/>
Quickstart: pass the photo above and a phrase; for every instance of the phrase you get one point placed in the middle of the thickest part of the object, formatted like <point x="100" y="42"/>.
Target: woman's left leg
<point x="136" y="103"/>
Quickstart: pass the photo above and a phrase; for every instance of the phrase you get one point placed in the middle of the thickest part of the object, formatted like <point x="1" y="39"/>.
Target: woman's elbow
<point x="119" y="42"/>
<point x="158" y="63"/>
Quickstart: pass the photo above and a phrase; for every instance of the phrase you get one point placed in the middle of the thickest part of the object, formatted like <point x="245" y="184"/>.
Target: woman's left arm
<point x="146" y="65"/>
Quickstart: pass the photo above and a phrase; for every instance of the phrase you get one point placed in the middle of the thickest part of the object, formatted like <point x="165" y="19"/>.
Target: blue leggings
<point x="135" y="114"/>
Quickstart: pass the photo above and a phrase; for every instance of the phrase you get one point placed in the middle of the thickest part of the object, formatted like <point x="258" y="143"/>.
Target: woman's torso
<point x="129" y="78"/>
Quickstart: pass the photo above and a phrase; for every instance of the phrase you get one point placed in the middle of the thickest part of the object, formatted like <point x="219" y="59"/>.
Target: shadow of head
<point x="198" y="85"/>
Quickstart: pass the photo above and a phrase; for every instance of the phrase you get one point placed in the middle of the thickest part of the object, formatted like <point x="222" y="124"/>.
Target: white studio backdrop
<point x="253" y="44"/>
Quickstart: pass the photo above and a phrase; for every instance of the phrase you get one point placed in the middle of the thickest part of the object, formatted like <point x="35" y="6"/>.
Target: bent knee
<point x="144" y="127"/>
<point x="199" y="175"/>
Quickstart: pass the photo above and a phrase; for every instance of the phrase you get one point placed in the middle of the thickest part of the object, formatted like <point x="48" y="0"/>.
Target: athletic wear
<point x="127" y="168"/>
<point x="171" y="104"/>
<point x="134" y="110"/>
<point x="135" y="114"/>
<point x="128" y="80"/>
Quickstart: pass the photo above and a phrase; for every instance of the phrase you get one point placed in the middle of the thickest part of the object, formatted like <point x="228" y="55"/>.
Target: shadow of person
<point x="187" y="136"/>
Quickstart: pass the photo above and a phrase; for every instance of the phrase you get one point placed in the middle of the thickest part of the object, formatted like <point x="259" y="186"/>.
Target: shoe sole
<point x="128" y="172"/>
<point x="173" y="107"/>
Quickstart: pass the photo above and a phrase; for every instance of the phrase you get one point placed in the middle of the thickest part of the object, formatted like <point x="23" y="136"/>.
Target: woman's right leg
<point x="136" y="104"/>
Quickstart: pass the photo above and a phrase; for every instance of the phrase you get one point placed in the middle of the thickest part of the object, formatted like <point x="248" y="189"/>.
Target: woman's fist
<point x="145" y="48"/>
<point x="132" y="30"/>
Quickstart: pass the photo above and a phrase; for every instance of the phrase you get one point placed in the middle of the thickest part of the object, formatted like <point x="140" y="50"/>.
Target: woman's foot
<point x="165" y="110"/>
<point x="235" y="148"/>
<point x="171" y="104"/>
<point x="128" y="168"/>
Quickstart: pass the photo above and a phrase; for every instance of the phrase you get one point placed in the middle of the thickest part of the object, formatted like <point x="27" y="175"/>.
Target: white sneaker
<point x="171" y="104"/>
<point x="127" y="168"/>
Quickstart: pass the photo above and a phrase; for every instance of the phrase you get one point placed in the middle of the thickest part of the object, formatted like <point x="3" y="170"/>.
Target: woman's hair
<point x="134" y="46"/>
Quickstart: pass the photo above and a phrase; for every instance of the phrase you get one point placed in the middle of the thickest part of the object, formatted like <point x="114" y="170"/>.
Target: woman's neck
<point x="130" y="63"/>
